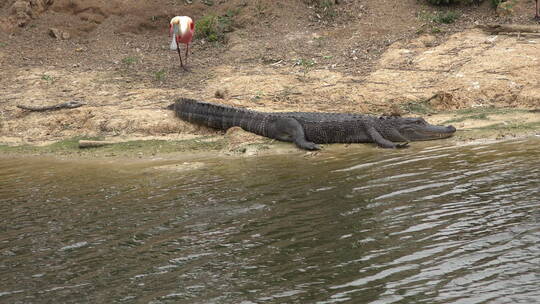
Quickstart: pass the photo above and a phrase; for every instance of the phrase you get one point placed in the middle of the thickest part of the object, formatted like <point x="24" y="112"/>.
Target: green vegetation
<point x="530" y="126"/>
<point x="206" y="28"/>
<point x="447" y="17"/>
<point x="3" y="44"/>
<point x="129" y="60"/>
<point x="47" y="78"/>
<point x="481" y="116"/>
<point x="488" y="110"/>
<point x="306" y="65"/>
<point x="258" y="95"/>
<point x="213" y="28"/>
<point x="130" y="148"/>
<point x="325" y="9"/>
<point x="160" y="75"/>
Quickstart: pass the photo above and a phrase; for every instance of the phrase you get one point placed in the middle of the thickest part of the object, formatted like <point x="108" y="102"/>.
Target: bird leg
<point x="180" y="55"/>
<point x="187" y="48"/>
<point x="537" y="13"/>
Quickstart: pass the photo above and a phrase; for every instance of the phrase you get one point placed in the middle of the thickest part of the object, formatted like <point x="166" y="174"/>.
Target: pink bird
<point x="181" y="30"/>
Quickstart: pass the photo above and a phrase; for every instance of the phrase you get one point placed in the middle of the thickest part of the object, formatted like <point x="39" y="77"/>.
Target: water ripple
<point x="439" y="224"/>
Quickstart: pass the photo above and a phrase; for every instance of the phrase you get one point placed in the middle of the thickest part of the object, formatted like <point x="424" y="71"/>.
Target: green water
<point x="429" y="224"/>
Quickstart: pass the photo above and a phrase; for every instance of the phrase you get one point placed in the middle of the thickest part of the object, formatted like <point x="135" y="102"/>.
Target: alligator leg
<point x="289" y="129"/>
<point x="383" y="142"/>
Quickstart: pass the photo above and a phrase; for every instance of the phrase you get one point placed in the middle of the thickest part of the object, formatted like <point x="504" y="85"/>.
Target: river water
<point x="429" y="224"/>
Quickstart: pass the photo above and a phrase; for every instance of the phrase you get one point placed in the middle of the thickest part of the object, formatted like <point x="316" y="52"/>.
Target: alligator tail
<point x="220" y="116"/>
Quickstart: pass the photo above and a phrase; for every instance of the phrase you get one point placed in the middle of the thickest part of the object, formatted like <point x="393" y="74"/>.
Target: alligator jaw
<point x="433" y="132"/>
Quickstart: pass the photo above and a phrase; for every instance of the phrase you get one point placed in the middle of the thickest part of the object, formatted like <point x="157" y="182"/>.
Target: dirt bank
<point x="355" y="56"/>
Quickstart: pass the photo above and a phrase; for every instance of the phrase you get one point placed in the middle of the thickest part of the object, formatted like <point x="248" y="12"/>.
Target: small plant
<point x="213" y="28"/>
<point x="496" y="3"/>
<point x="258" y="95"/>
<point x="210" y="27"/>
<point x="3" y="44"/>
<point x="325" y="9"/>
<point x="260" y="8"/>
<point x="160" y="75"/>
<point x="440" y="17"/>
<point x="306" y="65"/>
<point x="446" y="18"/>
<point x="129" y="60"/>
<point x="47" y="78"/>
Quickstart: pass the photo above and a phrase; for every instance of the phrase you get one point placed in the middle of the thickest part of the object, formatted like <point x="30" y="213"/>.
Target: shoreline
<point x="487" y="124"/>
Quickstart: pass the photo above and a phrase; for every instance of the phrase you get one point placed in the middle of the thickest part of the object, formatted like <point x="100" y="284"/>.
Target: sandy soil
<point x="370" y="56"/>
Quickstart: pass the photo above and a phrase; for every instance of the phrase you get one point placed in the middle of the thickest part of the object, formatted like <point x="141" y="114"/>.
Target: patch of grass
<point x="160" y="75"/>
<point x="495" y="3"/>
<point x="47" y="78"/>
<point x="306" y="64"/>
<point x="71" y="146"/>
<point x="435" y="30"/>
<point x="488" y="110"/>
<point x="258" y="95"/>
<point x="213" y="28"/>
<point x="482" y="116"/>
<point x="325" y="9"/>
<point x="260" y="8"/>
<point x="531" y="126"/>
<point x="447" y="17"/>
<point x="129" y="60"/>
<point x="207" y="28"/>
<point x="3" y="44"/>
<point x="480" y="113"/>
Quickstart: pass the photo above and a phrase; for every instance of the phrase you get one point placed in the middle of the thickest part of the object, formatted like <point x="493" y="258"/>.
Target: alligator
<point x="308" y="129"/>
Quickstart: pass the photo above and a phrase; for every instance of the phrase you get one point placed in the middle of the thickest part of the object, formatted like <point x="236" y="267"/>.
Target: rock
<point x="221" y="93"/>
<point x="22" y="11"/>
<point x="243" y="142"/>
<point x="428" y="40"/>
<point x="58" y="34"/>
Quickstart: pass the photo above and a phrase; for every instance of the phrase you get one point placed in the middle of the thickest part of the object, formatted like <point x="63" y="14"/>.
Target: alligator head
<point x="413" y="129"/>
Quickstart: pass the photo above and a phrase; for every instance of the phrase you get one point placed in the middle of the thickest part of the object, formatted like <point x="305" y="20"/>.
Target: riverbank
<point x="352" y="60"/>
<point x="474" y="125"/>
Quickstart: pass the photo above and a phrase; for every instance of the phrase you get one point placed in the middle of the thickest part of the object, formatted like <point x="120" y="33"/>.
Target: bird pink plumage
<point x="181" y="30"/>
